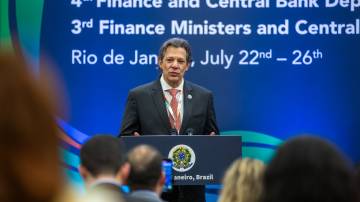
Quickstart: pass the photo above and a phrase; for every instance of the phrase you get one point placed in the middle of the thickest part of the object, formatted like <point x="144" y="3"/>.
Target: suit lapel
<point x="188" y="97"/>
<point x="159" y="101"/>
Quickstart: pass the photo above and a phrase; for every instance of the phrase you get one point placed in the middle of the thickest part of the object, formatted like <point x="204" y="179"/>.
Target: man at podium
<point x="170" y="105"/>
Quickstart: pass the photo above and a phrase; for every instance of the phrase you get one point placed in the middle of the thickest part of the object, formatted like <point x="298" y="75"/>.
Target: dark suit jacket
<point x="146" y="112"/>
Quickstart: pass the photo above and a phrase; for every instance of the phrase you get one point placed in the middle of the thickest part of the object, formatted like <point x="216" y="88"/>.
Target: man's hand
<point x="136" y="133"/>
<point x="212" y="133"/>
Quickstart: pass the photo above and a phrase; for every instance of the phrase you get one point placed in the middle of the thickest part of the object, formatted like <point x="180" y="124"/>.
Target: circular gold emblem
<point x="183" y="157"/>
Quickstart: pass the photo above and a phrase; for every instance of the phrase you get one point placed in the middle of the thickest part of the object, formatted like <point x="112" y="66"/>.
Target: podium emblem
<point x="183" y="157"/>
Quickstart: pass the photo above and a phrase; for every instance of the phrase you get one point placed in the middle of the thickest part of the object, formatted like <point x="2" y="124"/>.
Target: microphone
<point x="189" y="131"/>
<point x="173" y="131"/>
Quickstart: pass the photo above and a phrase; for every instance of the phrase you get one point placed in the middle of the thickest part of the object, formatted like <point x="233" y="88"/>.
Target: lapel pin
<point x="189" y="97"/>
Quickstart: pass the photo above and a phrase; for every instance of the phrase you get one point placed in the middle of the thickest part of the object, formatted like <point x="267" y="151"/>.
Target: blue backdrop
<point x="273" y="97"/>
<point x="278" y="84"/>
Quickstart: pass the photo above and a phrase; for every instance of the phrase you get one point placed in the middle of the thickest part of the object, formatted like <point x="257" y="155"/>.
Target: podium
<point x="197" y="159"/>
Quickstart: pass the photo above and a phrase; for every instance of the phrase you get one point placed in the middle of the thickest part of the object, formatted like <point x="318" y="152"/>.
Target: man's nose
<point x="175" y="64"/>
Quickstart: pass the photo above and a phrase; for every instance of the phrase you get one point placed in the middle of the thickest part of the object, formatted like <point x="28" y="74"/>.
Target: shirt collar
<point x="105" y="180"/>
<point x="148" y="193"/>
<point x="165" y="86"/>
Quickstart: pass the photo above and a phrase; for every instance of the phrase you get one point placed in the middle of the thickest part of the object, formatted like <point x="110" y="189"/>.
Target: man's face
<point x="174" y="65"/>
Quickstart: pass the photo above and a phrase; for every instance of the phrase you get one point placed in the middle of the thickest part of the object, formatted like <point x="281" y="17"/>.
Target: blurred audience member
<point x="308" y="169"/>
<point x="358" y="180"/>
<point x="30" y="165"/>
<point x="103" y="165"/>
<point x="243" y="181"/>
<point x="146" y="177"/>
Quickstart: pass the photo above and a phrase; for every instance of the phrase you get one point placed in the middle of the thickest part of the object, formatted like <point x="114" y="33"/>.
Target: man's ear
<point x="162" y="179"/>
<point x="160" y="183"/>
<point x="188" y="66"/>
<point x="84" y="172"/>
<point x="160" y="62"/>
<point x="124" y="172"/>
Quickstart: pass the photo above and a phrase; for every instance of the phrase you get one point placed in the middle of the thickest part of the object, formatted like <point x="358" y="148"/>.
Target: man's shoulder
<point x="145" y="87"/>
<point x="197" y="88"/>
